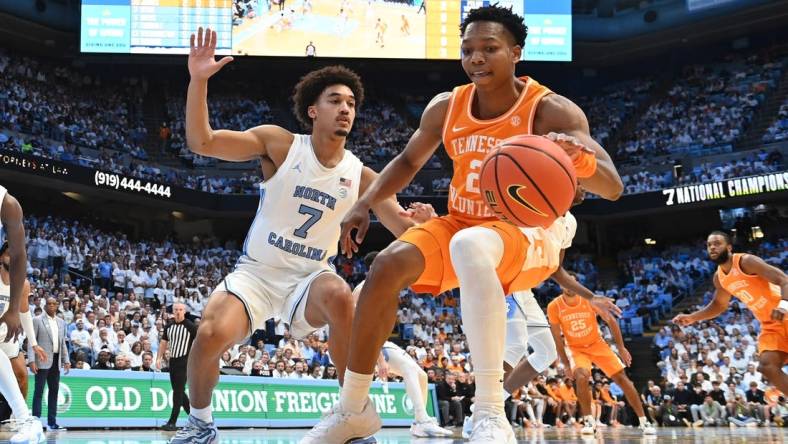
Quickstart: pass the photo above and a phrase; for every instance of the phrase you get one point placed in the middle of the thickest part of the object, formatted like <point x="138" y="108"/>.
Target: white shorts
<point x="524" y="318"/>
<point x="522" y="304"/>
<point x="11" y="348"/>
<point x="267" y="292"/>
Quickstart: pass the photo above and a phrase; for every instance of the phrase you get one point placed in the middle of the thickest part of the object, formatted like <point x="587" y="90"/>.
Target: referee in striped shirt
<point x="178" y="336"/>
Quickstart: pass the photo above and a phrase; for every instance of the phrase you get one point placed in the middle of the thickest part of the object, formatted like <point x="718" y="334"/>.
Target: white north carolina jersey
<point x="545" y="244"/>
<point x="3" y="192"/>
<point x="301" y="207"/>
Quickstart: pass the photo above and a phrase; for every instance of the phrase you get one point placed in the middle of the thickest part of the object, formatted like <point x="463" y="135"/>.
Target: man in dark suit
<point x="450" y="400"/>
<point x="50" y="332"/>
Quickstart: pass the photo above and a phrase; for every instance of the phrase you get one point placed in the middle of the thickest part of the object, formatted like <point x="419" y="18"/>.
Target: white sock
<point x="643" y="421"/>
<point x="203" y="414"/>
<point x="475" y="254"/>
<point x="9" y="387"/>
<point x="355" y="391"/>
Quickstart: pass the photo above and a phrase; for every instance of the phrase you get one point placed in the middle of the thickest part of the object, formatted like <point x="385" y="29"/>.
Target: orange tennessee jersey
<point x="468" y="140"/>
<point x="578" y="322"/>
<point x="760" y="295"/>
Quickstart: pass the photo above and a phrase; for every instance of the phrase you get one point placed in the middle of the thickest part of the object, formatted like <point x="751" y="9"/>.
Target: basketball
<point x="528" y="181"/>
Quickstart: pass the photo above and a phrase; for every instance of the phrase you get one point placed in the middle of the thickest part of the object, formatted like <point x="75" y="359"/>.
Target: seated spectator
<point x="450" y="401"/>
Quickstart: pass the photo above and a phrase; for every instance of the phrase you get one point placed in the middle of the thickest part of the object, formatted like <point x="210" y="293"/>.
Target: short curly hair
<point x="309" y="88"/>
<point x="513" y="23"/>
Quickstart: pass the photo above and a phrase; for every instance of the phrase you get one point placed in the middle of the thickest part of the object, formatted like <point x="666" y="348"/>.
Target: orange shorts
<point x="773" y="337"/>
<point x="598" y="353"/>
<point x="432" y="238"/>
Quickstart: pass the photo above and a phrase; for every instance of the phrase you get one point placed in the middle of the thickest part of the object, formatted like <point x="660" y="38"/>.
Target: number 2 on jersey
<point x="472" y="180"/>
<point x="314" y="216"/>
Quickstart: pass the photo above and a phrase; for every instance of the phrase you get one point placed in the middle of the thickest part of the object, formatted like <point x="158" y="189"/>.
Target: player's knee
<point x="472" y="246"/>
<point x="338" y="298"/>
<point x="211" y="336"/>
<point x="582" y="374"/>
<point x="393" y="265"/>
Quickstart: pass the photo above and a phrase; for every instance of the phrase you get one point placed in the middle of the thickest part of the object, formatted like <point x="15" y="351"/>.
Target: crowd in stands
<point x="760" y="162"/>
<point x="70" y="107"/>
<point x="607" y="109"/>
<point x="778" y="131"/>
<point x="708" y="105"/>
<point x="61" y="112"/>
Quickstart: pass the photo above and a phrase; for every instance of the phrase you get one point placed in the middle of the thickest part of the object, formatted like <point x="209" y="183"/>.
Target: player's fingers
<point x="208" y="38"/>
<point x="191" y="43"/>
<point x="213" y="40"/>
<point x="199" y="37"/>
<point x="343" y="237"/>
<point x="361" y="232"/>
<point x="224" y="61"/>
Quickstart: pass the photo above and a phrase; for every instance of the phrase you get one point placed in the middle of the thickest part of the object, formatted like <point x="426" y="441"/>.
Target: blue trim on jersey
<point x="301" y="297"/>
<point x="511" y="306"/>
<point x="251" y="227"/>
<point x="385" y="354"/>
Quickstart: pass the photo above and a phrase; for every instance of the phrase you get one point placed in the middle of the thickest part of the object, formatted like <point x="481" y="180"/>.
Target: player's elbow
<point x="200" y="144"/>
<point x="616" y="190"/>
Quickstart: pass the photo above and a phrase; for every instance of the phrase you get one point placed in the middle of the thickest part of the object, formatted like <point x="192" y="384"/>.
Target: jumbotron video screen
<point x="398" y="29"/>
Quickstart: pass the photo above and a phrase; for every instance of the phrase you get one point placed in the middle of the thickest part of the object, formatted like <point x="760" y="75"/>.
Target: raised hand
<point x="202" y="64"/>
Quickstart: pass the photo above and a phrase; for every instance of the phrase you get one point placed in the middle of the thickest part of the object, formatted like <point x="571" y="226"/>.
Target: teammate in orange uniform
<point x="575" y="317"/>
<point x="763" y="288"/>
<point x="470" y="247"/>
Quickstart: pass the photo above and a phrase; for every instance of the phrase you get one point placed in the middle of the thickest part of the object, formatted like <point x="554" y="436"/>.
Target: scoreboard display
<point x="405" y="29"/>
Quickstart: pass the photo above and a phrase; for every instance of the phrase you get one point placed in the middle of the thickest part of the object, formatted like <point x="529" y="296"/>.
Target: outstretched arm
<point x="200" y="137"/>
<point x="716" y="307"/>
<point x="616" y="331"/>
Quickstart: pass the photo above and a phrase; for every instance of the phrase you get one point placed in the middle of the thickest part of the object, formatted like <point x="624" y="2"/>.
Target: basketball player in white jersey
<point x="286" y="268"/>
<point x="11" y="348"/>
<point x="12" y="234"/>
<point x="394" y="360"/>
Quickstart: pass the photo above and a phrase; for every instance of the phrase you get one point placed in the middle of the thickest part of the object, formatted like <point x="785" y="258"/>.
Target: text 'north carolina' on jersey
<point x="758" y="294"/>
<point x="297" y="223"/>
<point x="468" y="140"/>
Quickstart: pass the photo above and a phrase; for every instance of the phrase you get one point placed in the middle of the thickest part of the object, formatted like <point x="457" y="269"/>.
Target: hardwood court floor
<point x="720" y="435"/>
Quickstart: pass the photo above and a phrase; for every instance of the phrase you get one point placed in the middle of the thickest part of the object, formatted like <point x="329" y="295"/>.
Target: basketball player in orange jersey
<point x="470" y="247"/>
<point x="575" y="317"/>
<point x="763" y="289"/>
